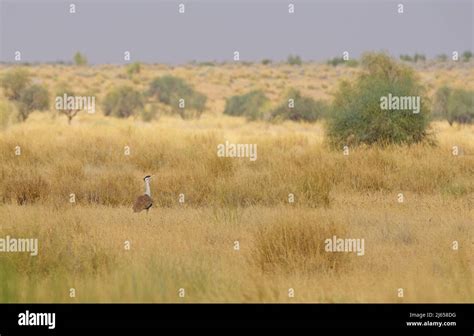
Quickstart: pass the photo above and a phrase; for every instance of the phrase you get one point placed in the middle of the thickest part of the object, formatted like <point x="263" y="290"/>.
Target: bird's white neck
<point x="147" y="188"/>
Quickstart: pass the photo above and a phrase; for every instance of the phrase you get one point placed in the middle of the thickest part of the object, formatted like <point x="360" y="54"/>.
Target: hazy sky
<point x="154" y="31"/>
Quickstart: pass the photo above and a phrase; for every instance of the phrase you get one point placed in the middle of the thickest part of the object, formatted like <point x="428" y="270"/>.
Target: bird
<point x="144" y="202"/>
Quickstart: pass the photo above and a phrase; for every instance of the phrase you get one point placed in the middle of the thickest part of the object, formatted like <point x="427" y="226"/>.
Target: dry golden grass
<point x="82" y="245"/>
<point x="407" y="246"/>
<point x="191" y="245"/>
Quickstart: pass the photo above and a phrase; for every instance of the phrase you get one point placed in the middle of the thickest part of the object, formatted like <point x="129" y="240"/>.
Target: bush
<point x="461" y="107"/>
<point x="406" y="58"/>
<point x="133" y="69"/>
<point x="28" y="98"/>
<point x="339" y="60"/>
<point x="266" y="61"/>
<point x="207" y="64"/>
<point x="294" y="60"/>
<point x="251" y="105"/>
<point x="415" y="58"/>
<point x="122" y="102"/>
<point x="33" y="98"/>
<point x="80" y="59"/>
<point x="13" y="82"/>
<point x="466" y="56"/>
<point x="454" y="105"/>
<point x="304" y="108"/>
<point x="170" y="90"/>
<point x="195" y="105"/>
<point x="419" y="58"/>
<point x="335" y="61"/>
<point x="356" y="115"/>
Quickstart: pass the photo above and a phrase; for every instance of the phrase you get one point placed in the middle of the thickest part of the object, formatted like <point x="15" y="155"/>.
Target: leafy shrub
<point x="266" y="61"/>
<point x="297" y="107"/>
<point x="461" y="106"/>
<point x="14" y="81"/>
<point x="467" y="55"/>
<point x="294" y="60"/>
<point x="207" y="64"/>
<point x="415" y="58"/>
<point x="195" y="105"/>
<point x="33" y="98"/>
<point x="80" y="59"/>
<point x="339" y="60"/>
<point x="335" y="61"/>
<point x="356" y="114"/>
<point x="251" y="105"/>
<point x="419" y="58"/>
<point x="170" y="90"/>
<point x="17" y="87"/>
<point x="454" y="105"/>
<point x="406" y="58"/>
<point x="122" y="102"/>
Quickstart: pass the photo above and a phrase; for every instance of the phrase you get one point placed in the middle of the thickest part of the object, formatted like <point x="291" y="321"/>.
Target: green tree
<point x="461" y="107"/>
<point x="466" y="56"/>
<point x="454" y="105"/>
<point x="251" y="105"/>
<point x="123" y="102"/>
<point x="33" y="98"/>
<point x="14" y="81"/>
<point x="80" y="59"/>
<point x="335" y="61"/>
<point x="133" y="69"/>
<point x="179" y="95"/>
<point x="299" y="108"/>
<point x="294" y="60"/>
<point x="357" y="116"/>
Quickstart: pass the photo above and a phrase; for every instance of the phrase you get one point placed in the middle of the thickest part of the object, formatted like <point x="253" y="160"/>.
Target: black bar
<point x="136" y="317"/>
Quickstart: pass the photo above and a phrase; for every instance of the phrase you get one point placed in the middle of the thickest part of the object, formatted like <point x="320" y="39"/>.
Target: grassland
<point x="190" y="245"/>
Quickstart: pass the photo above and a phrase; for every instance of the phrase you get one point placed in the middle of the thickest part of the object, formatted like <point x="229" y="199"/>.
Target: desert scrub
<point x="296" y="244"/>
<point x="251" y="105"/>
<point x="356" y="116"/>
<point x="179" y="95"/>
<point x="297" y="107"/>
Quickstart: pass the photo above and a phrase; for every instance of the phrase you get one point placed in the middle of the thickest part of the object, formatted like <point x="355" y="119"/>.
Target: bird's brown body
<point x="143" y="202"/>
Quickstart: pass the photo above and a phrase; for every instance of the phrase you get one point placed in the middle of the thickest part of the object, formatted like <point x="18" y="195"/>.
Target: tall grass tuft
<point x="297" y="245"/>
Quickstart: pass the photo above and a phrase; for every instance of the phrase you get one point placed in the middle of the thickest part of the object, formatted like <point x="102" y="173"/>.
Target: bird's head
<point x="147" y="178"/>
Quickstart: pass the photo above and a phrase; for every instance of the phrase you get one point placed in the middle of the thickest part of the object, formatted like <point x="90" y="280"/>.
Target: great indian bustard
<point x="144" y="202"/>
